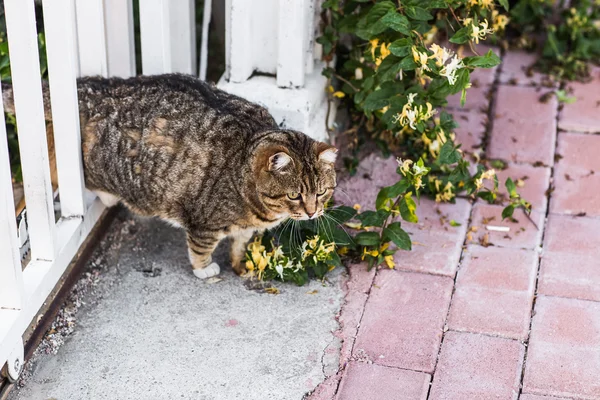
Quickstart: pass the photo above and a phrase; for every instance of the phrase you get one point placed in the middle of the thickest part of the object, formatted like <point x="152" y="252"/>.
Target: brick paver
<point x="535" y="181"/>
<point x="436" y="243"/>
<point x="494" y="291"/>
<point x="465" y="325"/>
<point x="563" y="358"/>
<point x="478" y="367"/>
<point x="516" y="70"/>
<point x="403" y="320"/>
<point x="577" y="175"/>
<point x="375" y="382"/>
<point x="582" y="115"/>
<point x="570" y="268"/>
<point x="523" y="233"/>
<point x="524" y="128"/>
<point x="471" y="130"/>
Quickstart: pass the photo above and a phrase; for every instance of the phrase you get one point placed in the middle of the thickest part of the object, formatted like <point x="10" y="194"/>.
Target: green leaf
<point x="367" y="239"/>
<point x="448" y="154"/>
<point x="418" y="13"/>
<point x="408" y="63"/>
<point x="397" y="235"/>
<point x="400" y="47"/>
<point x="397" y="22"/>
<point x="504" y="3"/>
<point x="488" y="196"/>
<point x="408" y="208"/>
<point x="508" y="211"/>
<point x="489" y="60"/>
<point x="461" y="36"/>
<point x="373" y="218"/>
<point x="511" y="188"/>
<point x="342" y="214"/>
<point x="371" y="24"/>
<point x="391" y="192"/>
<point x="380" y="98"/>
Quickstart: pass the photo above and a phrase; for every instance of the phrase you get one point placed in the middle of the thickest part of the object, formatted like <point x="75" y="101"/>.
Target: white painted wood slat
<point x="59" y="24"/>
<point x="91" y="38"/>
<point x="206" y="17"/>
<point x="120" y="40"/>
<point x="27" y="87"/>
<point x="239" y="49"/>
<point x="12" y="290"/>
<point x="155" y="37"/>
<point x="291" y="54"/>
<point x="182" y="28"/>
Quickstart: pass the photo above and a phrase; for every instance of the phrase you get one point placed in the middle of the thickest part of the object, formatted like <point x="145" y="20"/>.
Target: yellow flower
<point x="262" y="264"/>
<point x="441" y="54"/>
<point x="429" y="37"/>
<point x="339" y="94"/>
<point x="420" y="58"/>
<point x="374" y="43"/>
<point x="480" y="31"/>
<point x="404" y="165"/>
<point x="343" y="251"/>
<point x="249" y="265"/>
<point x="384" y="247"/>
<point x="356" y="206"/>
<point x="389" y="260"/>
<point x="373" y="253"/>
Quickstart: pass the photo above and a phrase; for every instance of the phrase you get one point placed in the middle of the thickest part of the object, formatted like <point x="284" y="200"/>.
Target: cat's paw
<point x="209" y="271"/>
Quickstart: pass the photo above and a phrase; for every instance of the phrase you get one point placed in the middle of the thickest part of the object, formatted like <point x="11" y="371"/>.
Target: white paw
<point x="210" y="270"/>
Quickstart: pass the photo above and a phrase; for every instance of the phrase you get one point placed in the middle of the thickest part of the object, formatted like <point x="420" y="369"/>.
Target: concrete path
<point x="151" y="330"/>
<point x="468" y="314"/>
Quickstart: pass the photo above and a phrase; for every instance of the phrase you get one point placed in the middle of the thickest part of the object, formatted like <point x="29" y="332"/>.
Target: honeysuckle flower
<point x="249" y="265"/>
<point x="480" y="31"/>
<point x="420" y="58"/>
<point x="358" y="74"/>
<point x="441" y="54"/>
<point x="418" y="170"/>
<point x="429" y="36"/>
<point x="489" y="174"/>
<point x="373" y="43"/>
<point x="449" y="70"/>
<point x="339" y="94"/>
<point x="488" y="4"/>
<point x="446" y="194"/>
<point x="279" y="269"/>
<point x="404" y="165"/>
<point x="500" y="21"/>
<point x="389" y="260"/>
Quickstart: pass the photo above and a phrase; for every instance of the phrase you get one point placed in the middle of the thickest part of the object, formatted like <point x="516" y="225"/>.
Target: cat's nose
<point x="310" y="214"/>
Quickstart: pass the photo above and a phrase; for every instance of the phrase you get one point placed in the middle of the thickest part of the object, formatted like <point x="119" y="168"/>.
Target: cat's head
<point x="294" y="174"/>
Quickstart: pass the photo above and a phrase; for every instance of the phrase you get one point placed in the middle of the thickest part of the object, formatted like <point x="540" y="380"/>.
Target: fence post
<point x="29" y="107"/>
<point x="120" y="40"/>
<point x="291" y="55"/>
<point x="154" y="32"/>
<point x="91" y="38"/>
<point x="59" y="24"/>
<point x="11" y="276"/>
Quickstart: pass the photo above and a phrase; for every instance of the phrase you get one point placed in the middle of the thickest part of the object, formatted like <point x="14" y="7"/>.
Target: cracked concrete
<point x="151" y="330"/>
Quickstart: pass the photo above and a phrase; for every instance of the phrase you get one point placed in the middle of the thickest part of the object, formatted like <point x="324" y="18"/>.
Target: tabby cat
<point x="213" y="163"/>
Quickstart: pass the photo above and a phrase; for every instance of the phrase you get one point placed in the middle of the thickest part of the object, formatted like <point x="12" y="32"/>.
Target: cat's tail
<point x="8" y="99"/>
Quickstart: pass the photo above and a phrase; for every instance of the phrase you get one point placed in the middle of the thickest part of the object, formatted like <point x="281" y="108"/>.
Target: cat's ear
<point x="278" y="161"/>
<point x="326" y="153"/>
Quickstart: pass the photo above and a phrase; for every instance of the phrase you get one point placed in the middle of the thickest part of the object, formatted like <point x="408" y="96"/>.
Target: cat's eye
<point x="294" y="196"/>
<point x="322" y="192"/>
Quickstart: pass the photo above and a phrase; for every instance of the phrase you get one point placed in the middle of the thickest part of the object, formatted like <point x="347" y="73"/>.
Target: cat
<point x="215" y="164"/>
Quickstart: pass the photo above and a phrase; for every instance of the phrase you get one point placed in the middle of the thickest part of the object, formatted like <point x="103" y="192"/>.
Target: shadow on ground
<point x="149" y="329"/>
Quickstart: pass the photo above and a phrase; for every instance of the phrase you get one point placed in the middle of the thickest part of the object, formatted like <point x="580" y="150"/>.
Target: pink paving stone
<point x="569" y="268"/>
<point x="516" y="69"/>
<point x="494" y="291"/>
<point x="471" y="129"/>
<point x="536" y="397"/>
<point x="403" y="320"/>
<point x="477" y="99"/>
<point x="372" y="174"/>
<point x="582" y="234"/>
<point x="582" y="115"/>
<point x="563" y="358"/>
<point x="522" y="235"/>
<point x="524" y="128"/>
<point x="576" y="186"/>
<point x="478" y="367"/>
<point x="364" y="381"/>
<point x="436" y="244"/>
<point x="536" y="180"/>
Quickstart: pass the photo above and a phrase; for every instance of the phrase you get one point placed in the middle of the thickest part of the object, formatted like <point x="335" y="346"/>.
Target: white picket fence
<point x="84" y="37"/>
